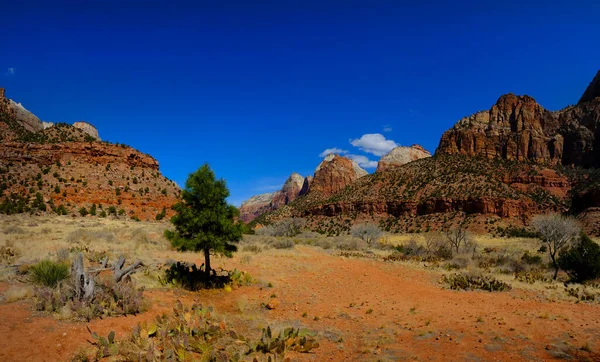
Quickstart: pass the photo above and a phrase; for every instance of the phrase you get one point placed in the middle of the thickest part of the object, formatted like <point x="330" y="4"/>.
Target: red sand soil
<point x="362" y="309"/>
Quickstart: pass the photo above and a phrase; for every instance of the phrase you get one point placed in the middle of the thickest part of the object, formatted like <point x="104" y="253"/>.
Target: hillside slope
<point x="64" y="168"/>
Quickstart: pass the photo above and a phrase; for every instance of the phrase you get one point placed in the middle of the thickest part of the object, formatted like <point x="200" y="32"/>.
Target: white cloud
<point x="374" y="143"/>
<point x="363" y="161"/>
<point x="387" y="128"/>
<point x="10" y="72"/>
<point x="335" y="150"/>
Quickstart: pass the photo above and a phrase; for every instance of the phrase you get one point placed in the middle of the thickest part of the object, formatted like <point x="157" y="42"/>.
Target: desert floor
<point x="359" y="308"/>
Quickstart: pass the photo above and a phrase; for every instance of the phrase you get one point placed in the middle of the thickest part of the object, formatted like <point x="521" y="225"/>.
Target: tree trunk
<point x="553" y="257"/>
<point x="207" y="263"/>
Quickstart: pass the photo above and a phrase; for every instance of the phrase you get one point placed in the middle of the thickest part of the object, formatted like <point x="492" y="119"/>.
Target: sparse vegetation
<point x="470" y="281"/>
<point x="556" y="232"/>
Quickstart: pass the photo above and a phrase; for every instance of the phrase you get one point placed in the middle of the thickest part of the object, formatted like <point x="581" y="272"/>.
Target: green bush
<point x="83" y="211"/>
<point x="162" y="214"/>
<point x="49" y="273"/>
<point x="531" y="259"/>
<point x="581" y="261"/>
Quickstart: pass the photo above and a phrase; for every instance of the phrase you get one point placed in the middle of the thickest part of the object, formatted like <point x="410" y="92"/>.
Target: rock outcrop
<point x="306" y="185"/>
<point x="256" y="206"/>
<point x="289" y="192"/>
<point x="27" y="119"/>
<point x="400" y="156"/>
<point x="259" y="204"/>
<point x="593" y="90"/>
<point x="331" y="175"/>
<point x="87" y="128"/>
<point x="517" y="128"/>
<point x="96" y="153"/>
<point x="335" y="173"/>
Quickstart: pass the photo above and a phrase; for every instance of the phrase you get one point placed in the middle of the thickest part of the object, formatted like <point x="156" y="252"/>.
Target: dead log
<point x="119" y="273"/>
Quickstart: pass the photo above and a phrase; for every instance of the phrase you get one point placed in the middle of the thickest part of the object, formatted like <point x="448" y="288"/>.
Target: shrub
<point x="8" y="254"/>
<point x="469" y="281"/>
<point x="49" y="273"/>
<point x="283" y="244"/>
<point x="285" y="227"/>
<point x="412" y="248"/>
<point x="366" y="231"/>
<point x="581" y="261"/>
<point x="531" y="259"/>
<point x="252" y="248"/>
<point x="83" y="211"/>
<point x="346" y="243"/>
<point x="161" y="215"/>
<point x="556" y="232"/>
<point x="109" y="297"/>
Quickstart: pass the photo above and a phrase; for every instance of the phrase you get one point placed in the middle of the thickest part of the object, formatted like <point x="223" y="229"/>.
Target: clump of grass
<point x="252" y="248"/>
<point x="15" y="293"/>
<point x="471" y="281"/>
<point x="49" y="273"/>
<point x="13" y="229"/>
<point x="283" y="244"/>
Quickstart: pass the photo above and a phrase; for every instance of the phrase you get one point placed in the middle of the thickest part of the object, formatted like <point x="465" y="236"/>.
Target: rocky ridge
<point x="68" y="167"/>
<point x="335" y="173"/>
<point x="401" y="155"/>
<point x="508" y="163"/>
<point x="331" y="175"/>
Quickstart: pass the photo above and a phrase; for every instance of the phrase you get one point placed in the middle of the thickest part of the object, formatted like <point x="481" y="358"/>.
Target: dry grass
<point x="17" y="292"/>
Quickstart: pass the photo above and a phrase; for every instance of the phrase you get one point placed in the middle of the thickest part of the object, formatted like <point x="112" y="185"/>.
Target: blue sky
<point x="260" y="89"/>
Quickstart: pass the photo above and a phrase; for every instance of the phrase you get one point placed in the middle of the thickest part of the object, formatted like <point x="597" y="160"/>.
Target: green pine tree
<point x="204" y="221"/>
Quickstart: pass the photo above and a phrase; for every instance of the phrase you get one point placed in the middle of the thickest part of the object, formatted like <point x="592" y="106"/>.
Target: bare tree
<point x="556" y="232"/>
<point x="366" y="231"/>
<point x="458" y="238"/>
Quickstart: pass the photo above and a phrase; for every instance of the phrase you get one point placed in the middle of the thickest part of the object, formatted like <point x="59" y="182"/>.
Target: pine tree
<point x="204" y="221"/>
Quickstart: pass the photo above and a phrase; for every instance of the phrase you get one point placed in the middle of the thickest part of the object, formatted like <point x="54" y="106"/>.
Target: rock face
<point x="592" y="91"/>
<point x="289" y="192"/>
<point x="400" y="156"/>
<point x="517" y="128"/>
<point x="334" y="174"/>
<point x="87" y="128"/>
<point x="93" y="153"/>
<point x="255" y="206"/>
<point x="259" y="204"/>
<point x="27" y="119"/>
<point x="306" y="185"/>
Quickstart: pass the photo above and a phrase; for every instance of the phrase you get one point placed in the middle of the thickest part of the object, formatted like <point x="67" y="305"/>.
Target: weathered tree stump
<point x="84" y="282"/>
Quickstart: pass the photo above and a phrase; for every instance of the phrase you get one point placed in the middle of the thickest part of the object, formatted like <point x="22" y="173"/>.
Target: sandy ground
<point x="360" y="309"/>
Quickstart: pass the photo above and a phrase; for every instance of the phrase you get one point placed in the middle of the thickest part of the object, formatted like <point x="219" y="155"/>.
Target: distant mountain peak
<point x="592" y="91"/>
